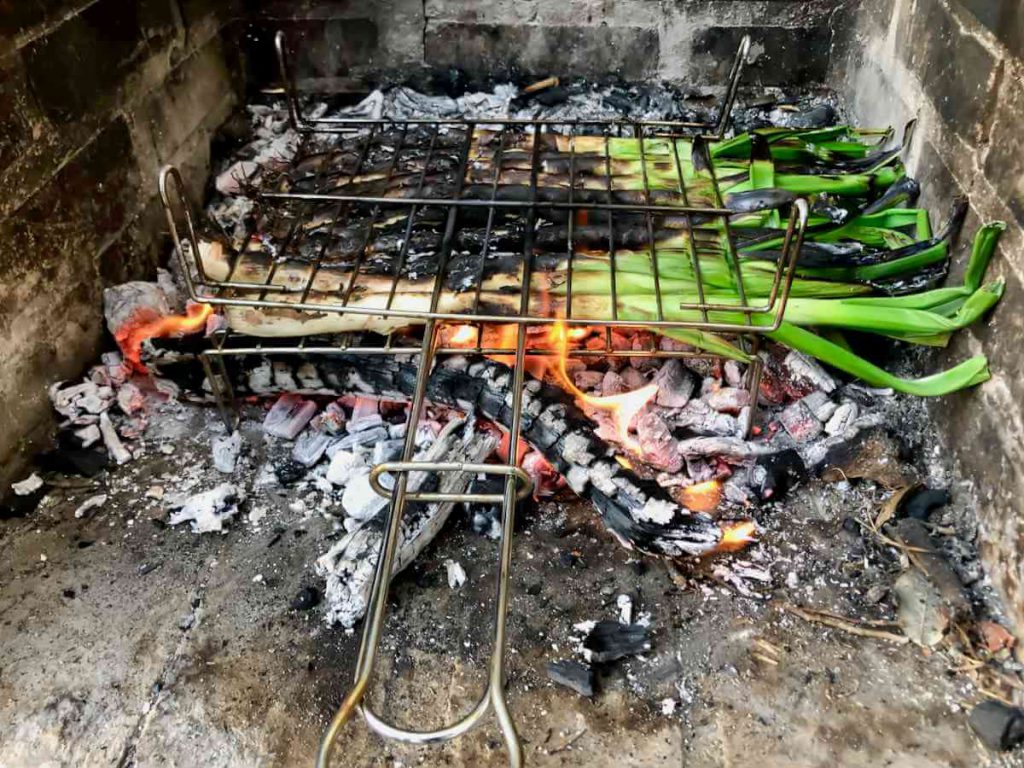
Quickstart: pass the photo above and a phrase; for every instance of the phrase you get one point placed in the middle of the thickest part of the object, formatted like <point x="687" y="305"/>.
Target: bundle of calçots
<point x="868" y="264"/>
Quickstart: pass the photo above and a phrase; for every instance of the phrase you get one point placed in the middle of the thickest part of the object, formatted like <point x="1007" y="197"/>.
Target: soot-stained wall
<point x="958" y="67"/>
<point x="94" y="97"/>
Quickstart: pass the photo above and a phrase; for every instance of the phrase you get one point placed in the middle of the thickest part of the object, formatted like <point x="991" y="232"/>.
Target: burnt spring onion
<point x="870" y="262"/>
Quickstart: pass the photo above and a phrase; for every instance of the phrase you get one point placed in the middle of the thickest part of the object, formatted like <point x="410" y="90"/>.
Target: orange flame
<point x="737" y="536"/>
<point x="131" y="335"/>
<point x="462" y="336"/>
<point x="621" y="407"/>
<point x="702" y="497"/>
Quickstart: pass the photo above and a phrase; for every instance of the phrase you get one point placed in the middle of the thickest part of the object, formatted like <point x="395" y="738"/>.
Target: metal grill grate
<point x="456" y="182"/>
<point x="323" y="252"/>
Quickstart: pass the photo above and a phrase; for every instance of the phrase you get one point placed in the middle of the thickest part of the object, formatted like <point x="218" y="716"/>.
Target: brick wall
<point x="94" y="96"/>
<point x="354" y="44"/>
<point x="958" y="66"/>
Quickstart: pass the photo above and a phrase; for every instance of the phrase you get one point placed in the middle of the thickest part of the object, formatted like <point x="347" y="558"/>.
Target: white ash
<point x="28" y="486"/>
<point x="577" y="479"/>
<point x="130" y="399"/>
<point x="657" y="511"/>
<point x="89" y="435"/>
<point x="456" y="574"/>
<point x="85" y="509"/>
<point x="309" y="379"/>
<point x="283" y="377"/>
<point x="576" y="449"/>
<point x="804" y="368"/>
<point x="225" y="450"/>
<point x="345" y="466"/>
<point x="843" y="418"/>
<point x="625" y="605"/>
<point x="360" y="501"/>
<point x="349" y="565"/>
<point x="208" y="511"/>
<point x="115" y="448"/>
<point x="820" y="404"/>
<point x="732" y="371"/>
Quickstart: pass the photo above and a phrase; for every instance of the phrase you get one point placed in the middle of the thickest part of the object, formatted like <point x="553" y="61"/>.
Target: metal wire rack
<point x="452" y="198"/>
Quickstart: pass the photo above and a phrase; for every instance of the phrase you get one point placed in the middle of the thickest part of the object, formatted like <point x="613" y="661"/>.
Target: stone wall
<point x="94" y="96"/>
<point x="352" y="44"/>
<point x="958" y="66"/>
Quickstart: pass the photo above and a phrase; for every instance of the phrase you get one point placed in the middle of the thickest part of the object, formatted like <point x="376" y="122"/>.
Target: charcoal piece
<point x="308" y="597"/>
<point x="782" y="471"/>
<point x="71" y="459"/>
<point x="366" y="437"/>
<point x="289" y="471"/>
<point x="288" y="416"/>
<point x="925" y="501"/>
<point x="675" y="384"/>
<point x="387" y="450"/>
<point x="799" y="422"/>
<point x="816" y="116"/>
<point x="310" y="447"/>
<point x="612" y="640"/>
<point x="1000" y="727"/>
<point x="641" y="517"/>
<point x="657" y="445"/>
<point x="572" y="674"/>
<point x="20" y="506"/>
<point x="728" y="399"/>
<point x="485" y="519"/>
<point x="699" y="418"/>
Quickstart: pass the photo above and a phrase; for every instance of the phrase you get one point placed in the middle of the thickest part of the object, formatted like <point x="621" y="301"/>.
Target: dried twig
<point x="891" y="542"/>
<point x="572" y="740"/>
<point x="844" y="624"/>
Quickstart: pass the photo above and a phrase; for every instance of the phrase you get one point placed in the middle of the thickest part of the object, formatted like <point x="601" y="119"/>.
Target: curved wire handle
<point x="191" y="262"/>
<point x="525" y="481"/>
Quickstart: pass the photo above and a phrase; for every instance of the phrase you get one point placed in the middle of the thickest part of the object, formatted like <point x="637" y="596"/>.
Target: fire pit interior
<point x="663" y="353"/>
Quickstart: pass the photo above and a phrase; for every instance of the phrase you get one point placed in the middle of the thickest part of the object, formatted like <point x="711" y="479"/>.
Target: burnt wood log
<point x="349" y="565"/>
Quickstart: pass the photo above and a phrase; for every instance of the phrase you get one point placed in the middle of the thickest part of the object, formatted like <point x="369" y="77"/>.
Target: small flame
<point x="131" y="335"/>
<point x="461" y="336"/>
<point x="737" y="536"/>
<point x="621" y="407"/>
<point x="702" y="497"/>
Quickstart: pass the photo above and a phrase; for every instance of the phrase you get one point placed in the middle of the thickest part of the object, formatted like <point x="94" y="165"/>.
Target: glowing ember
<point x="702" y="497"/>
<point x="737" y="536"/>
<point x="131" y="335"/>
<point x="621" y="407"/>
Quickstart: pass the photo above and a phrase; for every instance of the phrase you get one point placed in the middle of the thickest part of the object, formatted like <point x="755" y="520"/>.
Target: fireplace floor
<point x="126" y="642"/>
